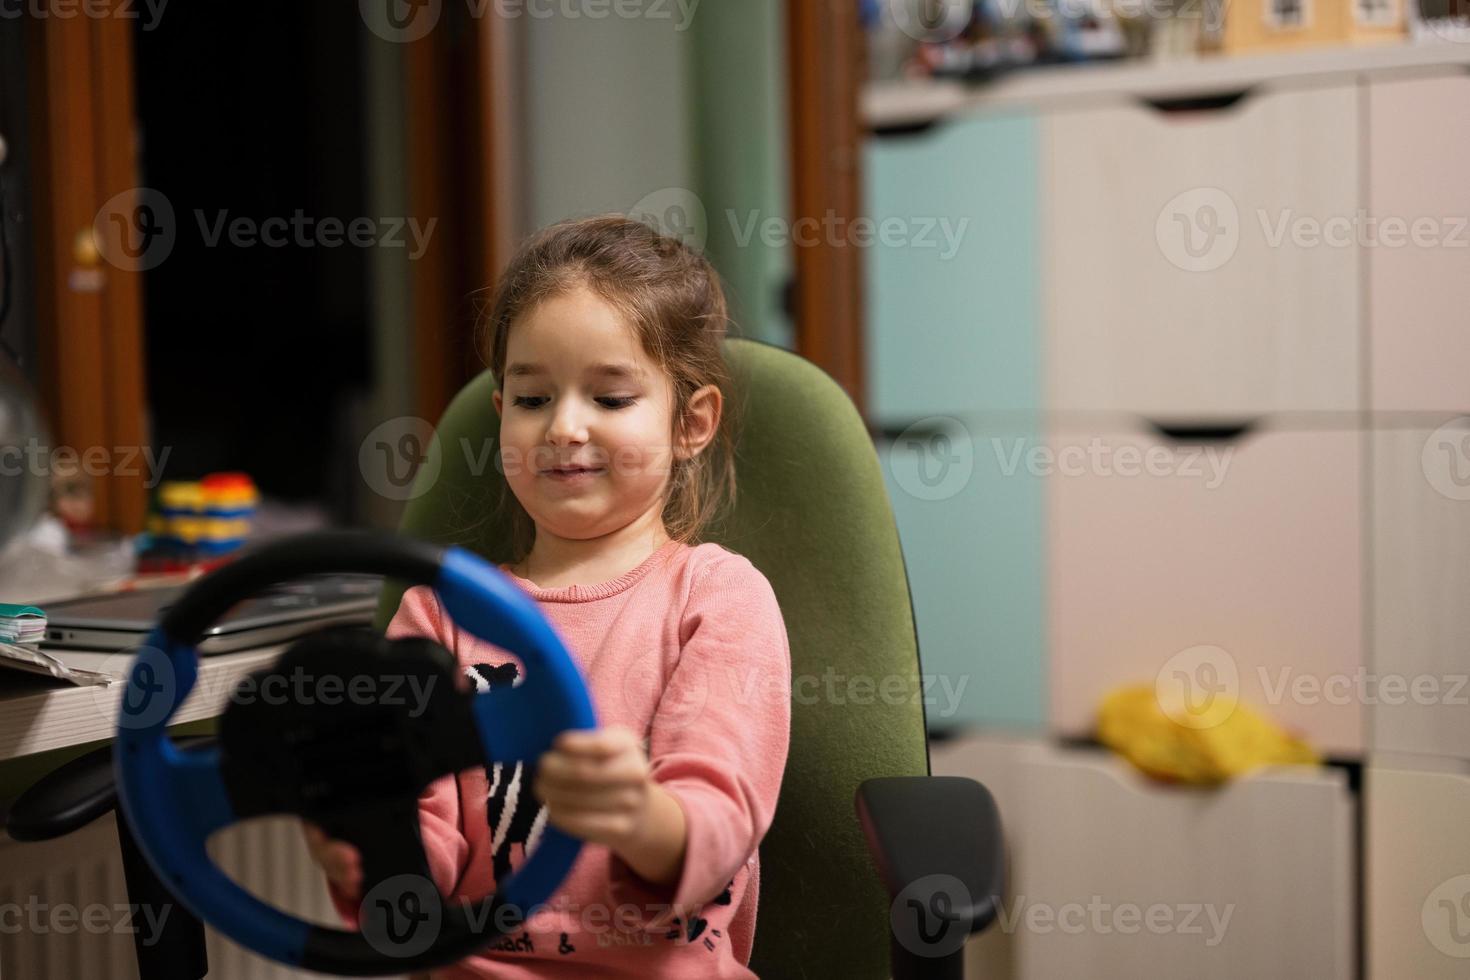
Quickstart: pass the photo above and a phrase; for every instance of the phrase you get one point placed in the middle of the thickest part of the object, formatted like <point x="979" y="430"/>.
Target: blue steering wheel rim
<point x="174" y="800"/>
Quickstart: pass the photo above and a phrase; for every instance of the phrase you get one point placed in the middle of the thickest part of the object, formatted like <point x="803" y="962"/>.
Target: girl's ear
<point x="701" y="420"/>
<point x="496" y="397"/>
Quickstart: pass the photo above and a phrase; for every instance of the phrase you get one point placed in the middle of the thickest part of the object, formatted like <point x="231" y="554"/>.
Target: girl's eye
<point x="609" y="401"/>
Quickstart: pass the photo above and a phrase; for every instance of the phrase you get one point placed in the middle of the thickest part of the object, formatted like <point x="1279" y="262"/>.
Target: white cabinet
<point x="1113" y="877"/>
<point x="1234" y="566"/>
<point x="1417" y="871"/>
<point x="1191" y="270"/>
<point x="1419" y="149"/>
<point x="1420" y="506"/>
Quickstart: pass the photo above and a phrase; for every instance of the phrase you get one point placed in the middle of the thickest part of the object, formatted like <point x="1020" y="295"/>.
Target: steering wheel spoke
<point x="508" y="725"/>
<point x="196" y="774"/>
<point x="398" y="892"/>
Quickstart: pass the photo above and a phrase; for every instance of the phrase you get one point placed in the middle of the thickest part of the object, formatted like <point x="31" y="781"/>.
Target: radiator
<point x="63" y="903"/>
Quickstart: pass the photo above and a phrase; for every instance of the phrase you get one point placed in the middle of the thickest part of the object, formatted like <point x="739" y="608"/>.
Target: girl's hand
<point x="339" y="859"/>
<point x="596" y="785"/>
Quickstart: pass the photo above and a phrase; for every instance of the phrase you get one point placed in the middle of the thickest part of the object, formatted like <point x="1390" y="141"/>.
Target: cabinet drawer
<point x="1233" y="565"/>
<point x="1168" y="290"/>
<point x="1253" y="879"/>
<point x="969" y="519"/>
<point x="952" y="292"/>
<point x="1421" y="588"/>
<point x="1417" y="869"/>
<point x="1420" y="288"/>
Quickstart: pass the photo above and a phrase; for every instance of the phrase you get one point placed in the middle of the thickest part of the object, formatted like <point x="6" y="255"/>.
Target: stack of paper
<point x="21" y="624"/>
<point x="79" y="667"/>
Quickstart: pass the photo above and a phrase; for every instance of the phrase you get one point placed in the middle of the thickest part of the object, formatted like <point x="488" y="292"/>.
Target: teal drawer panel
<point x="969" y="516"/>
<point x="952" y="278"/>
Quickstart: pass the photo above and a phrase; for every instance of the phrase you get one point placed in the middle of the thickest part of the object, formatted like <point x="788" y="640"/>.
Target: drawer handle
<point x="1193" y="433"/>
<point x="1174" y="104"/>
<point x="904" y="130"/>
<point x="892" y="433"/>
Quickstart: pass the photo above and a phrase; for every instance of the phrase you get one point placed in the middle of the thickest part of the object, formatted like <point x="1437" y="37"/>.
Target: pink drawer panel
<point x="1419" y="268"/>
<point x="1232" y="566"/>
<point x="1420" y="527"/>
<point x="1178" y="281"/>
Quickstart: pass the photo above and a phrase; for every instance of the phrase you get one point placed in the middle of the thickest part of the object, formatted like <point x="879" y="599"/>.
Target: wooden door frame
<point x="824" y="69"/>
<point x="466" y="178"/>
<point x="89" y="313"/>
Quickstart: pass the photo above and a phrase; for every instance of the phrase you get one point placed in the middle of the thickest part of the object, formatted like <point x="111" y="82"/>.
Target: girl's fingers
<point x="608" y="770"/>
<point x="566" y="784"/>
<point x="597" y="743"/>
<point x="338" y="859"/>
<point x="590" y="800"/>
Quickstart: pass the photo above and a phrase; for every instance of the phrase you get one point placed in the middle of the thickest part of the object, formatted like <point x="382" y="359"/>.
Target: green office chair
<point x="812" y="514"/>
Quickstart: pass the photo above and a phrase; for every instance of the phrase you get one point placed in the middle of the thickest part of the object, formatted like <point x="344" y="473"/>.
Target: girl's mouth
<point x="572" y="473"/>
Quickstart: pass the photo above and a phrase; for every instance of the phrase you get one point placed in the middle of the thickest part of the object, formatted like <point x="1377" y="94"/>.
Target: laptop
<point x="122" y="620"/>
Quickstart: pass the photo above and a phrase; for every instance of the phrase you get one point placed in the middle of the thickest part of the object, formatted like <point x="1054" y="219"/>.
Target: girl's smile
<point x="574" y="476"/>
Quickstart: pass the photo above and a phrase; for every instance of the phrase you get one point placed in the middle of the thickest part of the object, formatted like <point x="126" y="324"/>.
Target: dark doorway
<point x="257" y="330"/>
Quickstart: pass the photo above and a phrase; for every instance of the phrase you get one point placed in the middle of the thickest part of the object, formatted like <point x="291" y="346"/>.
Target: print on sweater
<point x="515" y="815"/>
<point x="690" y="931"/>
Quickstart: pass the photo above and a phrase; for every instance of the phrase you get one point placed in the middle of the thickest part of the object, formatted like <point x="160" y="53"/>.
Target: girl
<point x="605" y="340"/>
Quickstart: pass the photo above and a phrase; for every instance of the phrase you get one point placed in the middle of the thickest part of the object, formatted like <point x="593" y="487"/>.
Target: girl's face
<point x="585" y="418"/>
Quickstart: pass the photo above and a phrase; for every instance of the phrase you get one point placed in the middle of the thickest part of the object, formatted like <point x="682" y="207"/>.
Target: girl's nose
<point x="567" y="424"/>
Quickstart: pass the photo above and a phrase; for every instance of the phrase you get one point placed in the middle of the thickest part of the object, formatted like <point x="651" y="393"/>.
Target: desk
<point x="38" y="715"/>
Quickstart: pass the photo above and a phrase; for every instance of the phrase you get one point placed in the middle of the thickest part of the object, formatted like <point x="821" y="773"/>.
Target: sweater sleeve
<point x="445" y="846"/>
<point x="718" y="739"/>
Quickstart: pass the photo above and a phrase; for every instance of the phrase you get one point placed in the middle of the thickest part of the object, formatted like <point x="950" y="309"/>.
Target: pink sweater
<point x="690" y="649"/>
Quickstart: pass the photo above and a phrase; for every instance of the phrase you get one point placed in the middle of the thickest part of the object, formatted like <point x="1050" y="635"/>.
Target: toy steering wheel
<point x="381" y="720"/>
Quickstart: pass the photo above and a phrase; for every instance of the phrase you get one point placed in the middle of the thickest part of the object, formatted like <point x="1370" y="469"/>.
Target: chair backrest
<point x="812" y="513"/>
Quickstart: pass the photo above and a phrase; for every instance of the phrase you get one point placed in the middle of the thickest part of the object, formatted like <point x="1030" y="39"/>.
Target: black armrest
<point x="65" y="799"/>
<point x="937" y="844"/>
<point x="71" y="796"/>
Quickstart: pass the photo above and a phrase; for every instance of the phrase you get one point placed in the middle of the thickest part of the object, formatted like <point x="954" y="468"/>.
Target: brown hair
<point x="672" y="298"/>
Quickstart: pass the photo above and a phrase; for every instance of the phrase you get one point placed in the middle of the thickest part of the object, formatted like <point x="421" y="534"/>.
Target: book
<point x="21" y="624"/>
